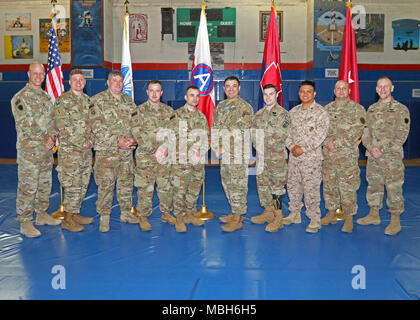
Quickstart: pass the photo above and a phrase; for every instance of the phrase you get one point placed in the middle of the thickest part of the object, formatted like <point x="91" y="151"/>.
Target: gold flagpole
<point x="204" y="214"/>
<point x="59" y="214"/>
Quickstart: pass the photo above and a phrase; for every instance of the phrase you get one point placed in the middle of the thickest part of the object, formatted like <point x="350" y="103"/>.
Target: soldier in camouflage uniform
<point x="31" y="108"/>
<point x="153" y="165"/>
<point x="387" y="128"/>
<point x="340" y="168"/>
<point x="273" y="122"/>
<point x="110" y="118"/>
<point x="308" y="131"/>
<point x="232" y="121"/>
<point x="188" y="172"/>
<point x="71" y="117"/>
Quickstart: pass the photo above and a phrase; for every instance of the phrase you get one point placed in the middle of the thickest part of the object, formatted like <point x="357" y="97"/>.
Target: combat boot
<point x="293" y="217"/>
<point x="394" y="226"/>
<point x="43" y="218"/>
<point x="227" y="218"/>
<point x="28" y="229"/>
<point x="190" y="218"/>
<point x="144" y="224"/>
<point x="348" y="224"/>
<point x="330" y="217"/>
<point x="70" y="224"/>
<point x="81" y="220"/>
<point x="371" y="218"/>
<point x="129" y="217"/>
<point x="104" y="223"/>
<point x="277" y="222"/>
<point x="234" y="224"/>
<point x="179" y="224"/>
<point x="314" y="225"/>
<point x="266" y="216"/>
<point x="167" y="217"/>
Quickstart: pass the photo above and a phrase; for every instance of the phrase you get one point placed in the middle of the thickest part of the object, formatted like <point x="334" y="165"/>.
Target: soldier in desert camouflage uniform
<point x="274" y="123"/>
<point x="308" y="131"/>
<point x="110" y="117"/>
<point x="31" y="108"/>
<point x="152" y="163"/>
<point x="188" y="171"/>
<point x="232" y="119"/>
<point x="340" y="168"/>
<point x="71" y="117"/>
<point x="387" y="128"/>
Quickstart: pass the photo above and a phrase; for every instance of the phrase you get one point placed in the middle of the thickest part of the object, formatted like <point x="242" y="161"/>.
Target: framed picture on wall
<point x="265" y="18"/>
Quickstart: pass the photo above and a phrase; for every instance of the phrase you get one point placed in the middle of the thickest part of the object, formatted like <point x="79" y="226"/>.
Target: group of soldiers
<point x="171" y="150"/>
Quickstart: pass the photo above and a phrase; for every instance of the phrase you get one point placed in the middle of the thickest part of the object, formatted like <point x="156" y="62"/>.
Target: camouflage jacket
<point x="147" y="124"/>
<point x="274" y="124"/>
<point x="387" y="128"/>
<point x="32" y="111"/>
<point x="347" y="121"/>
<point x="235" y="116"/>
<point x="110" y="120"/>
<point x="71" y="117"/>
<point x="309" y="129"/>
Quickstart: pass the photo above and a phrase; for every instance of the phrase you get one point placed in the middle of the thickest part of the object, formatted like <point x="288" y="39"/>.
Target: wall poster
<point x="63" y="34"/>
<point x="19" y="47"/>
<point x="18" y="21"/>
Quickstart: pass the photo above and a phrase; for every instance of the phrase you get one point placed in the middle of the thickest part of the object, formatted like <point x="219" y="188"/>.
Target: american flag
<point x="54" y="84"/>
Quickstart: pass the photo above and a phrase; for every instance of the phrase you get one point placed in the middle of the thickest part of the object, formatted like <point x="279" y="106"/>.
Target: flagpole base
<point x="339" y="214"/>
<point x="203" y="214"/>
<point x="59" y="214"/>
<point x="134" y="211"/>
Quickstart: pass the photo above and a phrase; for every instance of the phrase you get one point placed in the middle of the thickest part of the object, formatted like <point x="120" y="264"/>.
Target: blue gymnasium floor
<point x="205" y="263"/>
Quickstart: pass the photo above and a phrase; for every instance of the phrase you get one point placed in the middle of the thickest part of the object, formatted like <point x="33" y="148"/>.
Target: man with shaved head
<point x="340" y="168"/>
<point x="32" y="111"/>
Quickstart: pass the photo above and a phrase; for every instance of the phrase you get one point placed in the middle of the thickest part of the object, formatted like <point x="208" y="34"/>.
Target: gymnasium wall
<point x="169" y="61"/>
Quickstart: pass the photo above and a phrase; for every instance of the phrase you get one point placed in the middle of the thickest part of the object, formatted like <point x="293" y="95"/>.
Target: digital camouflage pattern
<point x="110" y="120"/>
<point x="71" y="117"/>
<point x="274" y="125"/>
<point x="233" y="118"/>
<point x="340" y="170"/>
<point x="387" y="128"/>
<point x="147" y="123"/>
<point x="31" y="110"/>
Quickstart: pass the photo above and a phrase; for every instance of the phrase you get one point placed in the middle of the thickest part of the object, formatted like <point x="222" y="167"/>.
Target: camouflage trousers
<point x="304" y="180"/>
<point x="235" y="184"/>
<point x="388" y="172"/>
<point x="341" y="180"/>
<point x="110" y="170"/>
<point x="74" y="170"/>
<point x="148" y="173"/>
<point x="186" y="183"/>
<point x="34" y="184"/>
<point x="271" y="180"/>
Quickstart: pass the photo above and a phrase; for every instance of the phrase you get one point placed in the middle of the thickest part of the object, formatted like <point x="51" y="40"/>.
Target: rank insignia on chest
<point x="362" y="120"/>
<point x="274" y="113"/>
<point x="134" y="114"/>
<point x="285" y="124"/>
<point x="91" y="106"/>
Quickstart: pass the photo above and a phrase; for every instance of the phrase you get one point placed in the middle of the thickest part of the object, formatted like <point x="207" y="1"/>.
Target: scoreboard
<point x="221" y="24"/>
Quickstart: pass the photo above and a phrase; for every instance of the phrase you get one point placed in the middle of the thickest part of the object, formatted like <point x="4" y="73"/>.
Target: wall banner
<point x="87" y="33"/>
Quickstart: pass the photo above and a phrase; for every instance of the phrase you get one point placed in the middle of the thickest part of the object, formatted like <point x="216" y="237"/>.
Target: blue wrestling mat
<point x="205" y="263"/>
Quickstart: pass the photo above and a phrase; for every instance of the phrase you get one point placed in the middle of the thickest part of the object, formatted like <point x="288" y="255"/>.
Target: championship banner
<point x="87" y="31"/>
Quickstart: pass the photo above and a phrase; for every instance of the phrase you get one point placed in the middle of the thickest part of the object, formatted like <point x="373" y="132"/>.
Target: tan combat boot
<point x="43" y="218"/>
<point x="348" y="224"/>
<point x="277" y="222"/>
<point x="144" y="224"/>
<point x="129" y="217"/>
<point x="227" y="218"/>
<point x="394" y="226"/>
<point x="104" y="223"/>
<point x="28" y="229"/>
<point x="70" y="224"/>
<point x="234" y="224"/>
<point x="179" y="224"/>
<point x="293" y="217"/>
<point x="371" y="218"/>
<point x="314" y="225"/>
<point x="81" y="219"/>
<point x="266" y="216"/>
<point x="167" y="217"/>
<point x="330" y="217"/>
<point x="190" y="218"/>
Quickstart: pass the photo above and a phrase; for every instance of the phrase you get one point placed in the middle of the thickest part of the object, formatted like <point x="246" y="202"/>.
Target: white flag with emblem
<point x="126" y="67"/>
